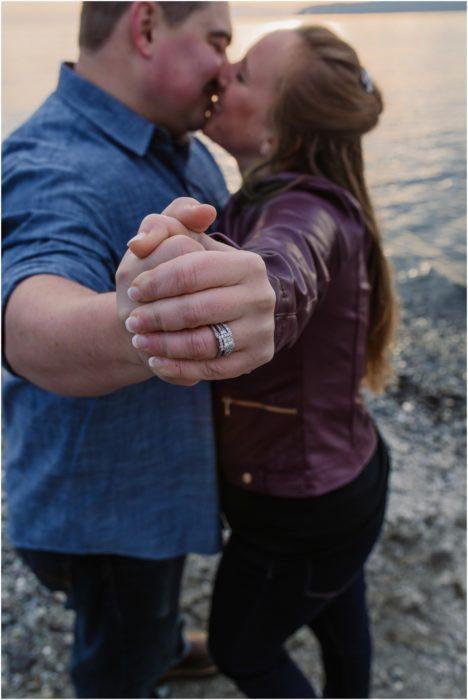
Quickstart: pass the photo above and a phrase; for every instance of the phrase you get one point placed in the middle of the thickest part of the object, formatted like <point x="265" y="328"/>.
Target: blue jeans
<point x="128" y="630"/>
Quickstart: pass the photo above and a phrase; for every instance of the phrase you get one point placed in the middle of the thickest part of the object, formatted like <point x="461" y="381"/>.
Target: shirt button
<point x="247" y="478"/>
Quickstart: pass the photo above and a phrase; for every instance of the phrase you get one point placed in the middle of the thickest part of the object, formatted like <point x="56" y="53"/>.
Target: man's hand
<point x="182" y="297"/>
<point x="146" y="250"/>
<point x="183" y="216"/>
<point x="131" y="267"/>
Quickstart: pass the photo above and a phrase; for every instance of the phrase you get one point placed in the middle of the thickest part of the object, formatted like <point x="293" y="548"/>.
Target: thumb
<point x="196" y="217"/>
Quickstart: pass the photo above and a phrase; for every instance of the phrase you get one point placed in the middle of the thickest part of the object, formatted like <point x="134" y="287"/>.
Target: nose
<point x="225" y="75"/>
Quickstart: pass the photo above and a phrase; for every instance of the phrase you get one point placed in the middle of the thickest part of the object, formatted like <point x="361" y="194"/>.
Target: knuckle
<point x="185" y="277"/>
<point x="122" y="276"/>
<point x="271" y="296"/>
<point x="178" y="202"/>
<point x="161" y="345"/>
<point x="266" y="299"/>
<point x="214" y="370"/>
<point x="147" y="284"/>
<point x="269" y="353"/>
<point x="186" y="200"/>
<point x="256" y="263"/>
<point x="191" y="314"/>
<point x="149" y="221"/>
<point x="198" y="347"/>
<point x="176" y="370"/>
<point x="184" y="244"/>
<point x="154" y="316"/>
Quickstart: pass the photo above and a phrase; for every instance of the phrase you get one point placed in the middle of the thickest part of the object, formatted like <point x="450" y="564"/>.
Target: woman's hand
<point x="182" y="290"/>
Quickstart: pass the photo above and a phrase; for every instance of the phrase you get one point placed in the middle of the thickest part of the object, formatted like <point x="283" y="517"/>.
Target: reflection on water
<point x="416" y="158"/>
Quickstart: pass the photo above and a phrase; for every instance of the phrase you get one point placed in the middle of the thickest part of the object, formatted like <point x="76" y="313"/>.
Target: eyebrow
<point x="220" y="34"/>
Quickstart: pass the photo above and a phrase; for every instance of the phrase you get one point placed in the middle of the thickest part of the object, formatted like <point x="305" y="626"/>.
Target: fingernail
<point x="133" y="293"/>
<point x="138" y="237"/>
<point x="132" y="324"/>
<point x="140" y="341"/>
<point x="158" y="365"/>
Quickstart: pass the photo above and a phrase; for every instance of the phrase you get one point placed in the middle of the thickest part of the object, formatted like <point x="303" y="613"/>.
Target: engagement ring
<point x="224" y="338"/>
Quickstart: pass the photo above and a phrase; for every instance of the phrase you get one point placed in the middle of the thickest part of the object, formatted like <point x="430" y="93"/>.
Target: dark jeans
<point x="128" y="630"/>
<point x="261" y="600"/>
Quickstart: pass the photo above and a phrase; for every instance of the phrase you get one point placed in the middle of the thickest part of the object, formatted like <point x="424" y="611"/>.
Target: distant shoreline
<point x="378" y="7"/>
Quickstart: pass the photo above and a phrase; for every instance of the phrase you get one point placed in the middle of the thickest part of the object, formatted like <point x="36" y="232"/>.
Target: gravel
<point x="417" y="574"/>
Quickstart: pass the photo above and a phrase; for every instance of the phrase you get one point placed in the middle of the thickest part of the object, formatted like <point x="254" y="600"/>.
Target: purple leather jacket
<point x="297" y="426"/>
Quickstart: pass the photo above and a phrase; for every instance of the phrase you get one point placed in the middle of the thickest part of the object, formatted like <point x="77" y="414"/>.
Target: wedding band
<point x="224" y="338"/>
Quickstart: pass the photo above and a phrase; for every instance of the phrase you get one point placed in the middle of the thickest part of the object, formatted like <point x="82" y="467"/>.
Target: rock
<point x="20" y="661"/>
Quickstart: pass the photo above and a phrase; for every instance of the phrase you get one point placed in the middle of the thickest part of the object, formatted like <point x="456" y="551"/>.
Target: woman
<point x="303" y="470"/>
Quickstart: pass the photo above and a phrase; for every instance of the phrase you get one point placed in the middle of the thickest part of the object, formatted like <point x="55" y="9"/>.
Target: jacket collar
<point x="111" y="116"/>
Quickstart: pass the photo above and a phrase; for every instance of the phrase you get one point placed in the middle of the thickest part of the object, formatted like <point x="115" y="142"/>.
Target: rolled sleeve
<point x="59" y="234"/>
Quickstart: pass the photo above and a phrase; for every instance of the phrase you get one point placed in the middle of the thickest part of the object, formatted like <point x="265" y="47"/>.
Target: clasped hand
<point x="175" y="281"/>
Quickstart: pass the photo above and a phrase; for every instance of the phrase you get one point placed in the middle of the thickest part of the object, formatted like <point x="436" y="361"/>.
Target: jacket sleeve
<point x="297" y="236"/>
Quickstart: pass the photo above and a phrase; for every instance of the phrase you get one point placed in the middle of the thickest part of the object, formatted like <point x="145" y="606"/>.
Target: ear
<point x="144" y="18"/>
<point x="267" y="142"/>
<point x="265" y="148"/>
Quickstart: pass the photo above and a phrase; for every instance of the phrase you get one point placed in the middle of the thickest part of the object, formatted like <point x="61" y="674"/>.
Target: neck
<point x="246" y="163"/>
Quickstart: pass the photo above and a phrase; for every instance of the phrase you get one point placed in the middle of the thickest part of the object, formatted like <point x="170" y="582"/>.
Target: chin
<point x="197" y="119"/>
<point x="212" y="130"/>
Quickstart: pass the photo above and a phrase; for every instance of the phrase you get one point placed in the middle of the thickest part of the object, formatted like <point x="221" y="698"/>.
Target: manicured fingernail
<point x="140" y="341"/>
<point x="159" y="366"/>
<point x="133" y="293"/>
<point x="132" y="324"/>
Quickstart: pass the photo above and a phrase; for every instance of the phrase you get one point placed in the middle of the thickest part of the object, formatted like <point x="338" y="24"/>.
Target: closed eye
<point x="219" y="47"/>
<point x="219" y="40"/>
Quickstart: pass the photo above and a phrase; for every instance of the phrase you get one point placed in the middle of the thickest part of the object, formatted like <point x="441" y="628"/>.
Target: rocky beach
<point x="417" y="574"/>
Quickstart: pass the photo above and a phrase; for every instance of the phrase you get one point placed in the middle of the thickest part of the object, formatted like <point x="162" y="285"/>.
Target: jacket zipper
<point x="228" y="402"/>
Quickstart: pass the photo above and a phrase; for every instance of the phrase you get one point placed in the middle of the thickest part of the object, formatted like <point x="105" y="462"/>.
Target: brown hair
<point x="325" y="103"/>
<point x="98" y="19"/>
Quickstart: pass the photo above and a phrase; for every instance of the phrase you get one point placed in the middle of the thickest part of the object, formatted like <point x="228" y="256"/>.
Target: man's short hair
<point x="98" y="19"/>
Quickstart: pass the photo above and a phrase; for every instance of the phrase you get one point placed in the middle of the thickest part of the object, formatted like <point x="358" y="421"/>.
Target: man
<point x="109" y="471"/>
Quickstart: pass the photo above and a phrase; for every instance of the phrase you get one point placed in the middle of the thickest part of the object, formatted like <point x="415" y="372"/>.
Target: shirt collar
<point x="110" y="115"/>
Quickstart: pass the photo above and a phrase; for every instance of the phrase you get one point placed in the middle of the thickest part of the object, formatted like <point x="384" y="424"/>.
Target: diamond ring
<point x="224" y="338"/>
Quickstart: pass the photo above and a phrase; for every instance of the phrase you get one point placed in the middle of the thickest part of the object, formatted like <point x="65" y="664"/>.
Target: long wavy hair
<point x="325" y="103"/>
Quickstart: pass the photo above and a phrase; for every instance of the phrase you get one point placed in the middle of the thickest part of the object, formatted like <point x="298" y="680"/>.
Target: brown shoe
<point x="197" y="662"/>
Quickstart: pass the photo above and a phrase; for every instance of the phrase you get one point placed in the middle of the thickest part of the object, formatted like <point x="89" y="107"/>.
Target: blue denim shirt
<point x="133" y="472"/>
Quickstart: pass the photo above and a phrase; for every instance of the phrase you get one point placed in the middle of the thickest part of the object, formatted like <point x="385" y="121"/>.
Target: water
<point x="415" y="158"/>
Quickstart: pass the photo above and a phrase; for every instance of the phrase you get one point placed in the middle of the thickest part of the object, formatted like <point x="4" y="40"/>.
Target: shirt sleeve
<point x="298" y="238"/>
<point x="53" y="222"/>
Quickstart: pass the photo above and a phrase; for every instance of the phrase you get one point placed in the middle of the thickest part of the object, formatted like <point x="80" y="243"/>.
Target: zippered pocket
<point x="228" y="402"/>
<point x="256" y="435"/>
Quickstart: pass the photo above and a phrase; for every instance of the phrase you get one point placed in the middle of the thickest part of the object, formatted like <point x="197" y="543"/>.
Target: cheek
<point x="188" y="67"/>
<point x="236" y="126"/>
<point x="239" y="108"/>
